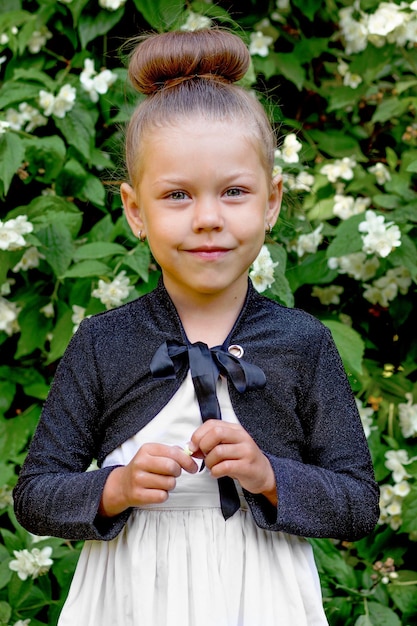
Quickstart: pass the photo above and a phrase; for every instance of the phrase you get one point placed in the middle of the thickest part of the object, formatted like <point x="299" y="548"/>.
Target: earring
<point x="141" y="237"/>
<point x="268" y="230"/>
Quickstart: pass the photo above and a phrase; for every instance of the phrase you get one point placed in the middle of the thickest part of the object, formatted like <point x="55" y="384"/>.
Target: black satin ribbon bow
<point x="206" y="364"/>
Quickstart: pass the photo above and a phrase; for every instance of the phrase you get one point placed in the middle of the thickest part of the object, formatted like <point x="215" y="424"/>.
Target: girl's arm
<point x="55" y="495"/>
<point x="332" y="491"/>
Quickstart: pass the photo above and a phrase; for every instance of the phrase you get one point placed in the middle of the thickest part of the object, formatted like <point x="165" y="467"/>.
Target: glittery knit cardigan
<point x="305" y="420"/>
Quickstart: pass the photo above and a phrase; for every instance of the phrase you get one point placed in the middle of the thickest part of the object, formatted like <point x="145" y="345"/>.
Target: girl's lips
<point x="208" y="253"/>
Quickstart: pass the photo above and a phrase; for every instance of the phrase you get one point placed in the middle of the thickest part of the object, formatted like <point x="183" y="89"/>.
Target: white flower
<point x="46" y="101"/>
<point x="327" y="295"/>
<point x="259" y="43"/>
<point x="33" y="563"/>
<point x="340" y="168"/>
<point x="354" y="32"/>
<point x="4" y="126"/>
<point x="408" y="417"/>
<point x="48" y="310"/>
<point x="4" y="39"/>
<point x="309" y="242"/>
<point x="365" y="414"/>
<point x="302" y="182"/>
<point x="352" y="80"/>
<point x="6" y="497"/>
<point x="396" y="459"/>
<point x="24" y="622"/>
<point x="386" y="18"/>
<point x="112" y="294"/>
<point x="290" y="149"/>
<point x="380" y="237"/>
<point x="96" y="83"/>
<point x="30" y="258"/>
<point x="111" y="5"/>
<point x="59" y="105"/>
<point x="402" y="489"/>
<point x="15" y="119"/>
<point x="385" y="289"/>
<point x="78" y="314"/>
<point x="64" y="101"/>
<point x="9" y="312"/>
<point x="12" y="231"/>
<point x="195" y="21"/>
<point x="381" y="173"/>
<point x="39" y="39"/>
<point x="262" y="272"/>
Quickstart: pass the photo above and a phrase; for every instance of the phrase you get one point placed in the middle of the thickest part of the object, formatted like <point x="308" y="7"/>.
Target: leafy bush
<point x="342" y="88"/>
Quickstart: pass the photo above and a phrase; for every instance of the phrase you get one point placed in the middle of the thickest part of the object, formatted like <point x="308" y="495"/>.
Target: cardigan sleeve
<point x="55" y="495"/>
<point x="331" y="492"/>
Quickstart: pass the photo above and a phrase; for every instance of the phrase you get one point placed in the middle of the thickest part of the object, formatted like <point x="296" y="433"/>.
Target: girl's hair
<point x="186" y="73"/>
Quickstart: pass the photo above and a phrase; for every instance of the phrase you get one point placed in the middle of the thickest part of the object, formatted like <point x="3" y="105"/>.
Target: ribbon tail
<point x="229" y="500"/>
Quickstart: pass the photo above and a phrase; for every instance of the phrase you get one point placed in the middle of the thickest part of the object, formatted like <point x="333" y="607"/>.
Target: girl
<point x="223" y="424"/>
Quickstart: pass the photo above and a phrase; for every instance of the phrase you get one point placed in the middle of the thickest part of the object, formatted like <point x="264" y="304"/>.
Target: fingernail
<point x="189" y="448"/>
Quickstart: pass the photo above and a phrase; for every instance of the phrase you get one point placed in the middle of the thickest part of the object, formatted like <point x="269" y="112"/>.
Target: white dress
<point x="181" y="564"/>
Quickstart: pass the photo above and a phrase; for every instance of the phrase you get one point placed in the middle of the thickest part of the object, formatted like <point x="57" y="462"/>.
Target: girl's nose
<point x="207" y="215"/>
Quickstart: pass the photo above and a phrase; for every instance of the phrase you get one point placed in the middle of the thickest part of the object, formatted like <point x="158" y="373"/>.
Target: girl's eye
<point x="177" y="195"/>
<point x="234" y="192"/>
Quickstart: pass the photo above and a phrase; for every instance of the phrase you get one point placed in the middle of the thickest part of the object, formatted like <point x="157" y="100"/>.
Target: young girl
<point x="223" y="424"/>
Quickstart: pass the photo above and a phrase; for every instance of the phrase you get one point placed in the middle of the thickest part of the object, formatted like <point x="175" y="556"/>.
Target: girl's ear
<point x="131" y="208"/>
<point x="275" y="199"/>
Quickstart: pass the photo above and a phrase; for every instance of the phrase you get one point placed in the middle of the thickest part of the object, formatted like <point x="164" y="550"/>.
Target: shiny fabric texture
<point x="304" y="419"/>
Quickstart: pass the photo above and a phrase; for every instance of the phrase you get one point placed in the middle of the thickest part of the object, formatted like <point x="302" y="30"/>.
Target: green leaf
<point x="98" y="250"/>
<point x="12" y="153"/>
<point x="308" y="7"/>
<point x="138" y="259"/>
<point x="78" y="128"/>
<point x="93" y="26"/>
<point x="349" y="344"/>
<point x="391" y="108"/>
<point x="87" y="268"/>
<point x="403" y="593"/>
<point x="15" y="433"/>
<point x="76" y="7"/>
<point x="45" y="157"/>
<point x="330" y="562"/>
<point x="13" y="93"/>
<point x="44" y="210"/>
<point x="405" y="255"/>
<point x="312" y="270"/>
<point x="337" y="144"/>
<point x="61" y="336"/>
<point x="7" y="393"/>
<point x="71" y="179"/>
<point x="93" y="190"/>
<point x="364" y="620"/>
<point x="57" y="246"/>
<point x="289" y="66"/>
<point x="381" y="615"/>
<point x="409" y="512"/>
<point x="347" y="238"/>
<point x="33" y="327"/>
<point x="5" y="612"/>
<point x="160" y="14"/>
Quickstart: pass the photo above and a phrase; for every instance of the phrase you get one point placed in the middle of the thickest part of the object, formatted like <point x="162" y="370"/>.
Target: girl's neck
<point x="209" y="320"/>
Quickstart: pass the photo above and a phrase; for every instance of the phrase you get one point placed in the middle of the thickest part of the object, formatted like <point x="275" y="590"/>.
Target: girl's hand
<point x="147" y="479"/>
<point x="229" y="450"/>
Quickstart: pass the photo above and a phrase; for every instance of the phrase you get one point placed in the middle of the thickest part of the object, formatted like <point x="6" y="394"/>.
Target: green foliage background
<point x="64" y="175"/>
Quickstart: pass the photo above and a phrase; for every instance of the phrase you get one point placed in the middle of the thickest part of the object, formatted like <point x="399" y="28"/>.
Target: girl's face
<point x="203" y="200"/>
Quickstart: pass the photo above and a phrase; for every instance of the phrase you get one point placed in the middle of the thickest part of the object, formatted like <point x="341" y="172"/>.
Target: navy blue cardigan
<point x="305" y="420"/>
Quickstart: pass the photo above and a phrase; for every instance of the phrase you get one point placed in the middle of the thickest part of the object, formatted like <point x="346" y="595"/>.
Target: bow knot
<point x="206" y="364"/>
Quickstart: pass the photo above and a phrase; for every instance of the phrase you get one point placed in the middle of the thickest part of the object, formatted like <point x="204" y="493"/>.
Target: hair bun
<point x="187" y="54"/>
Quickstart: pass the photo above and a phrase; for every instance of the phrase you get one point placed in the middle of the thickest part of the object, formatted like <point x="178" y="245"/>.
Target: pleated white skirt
<point x="182" y="564"/>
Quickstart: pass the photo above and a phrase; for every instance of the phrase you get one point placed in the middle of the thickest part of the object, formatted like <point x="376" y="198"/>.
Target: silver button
<point x="236" y="350"/>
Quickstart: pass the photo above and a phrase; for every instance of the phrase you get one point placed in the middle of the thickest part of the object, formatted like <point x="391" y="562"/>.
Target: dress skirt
<point x="182" y="564"/>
